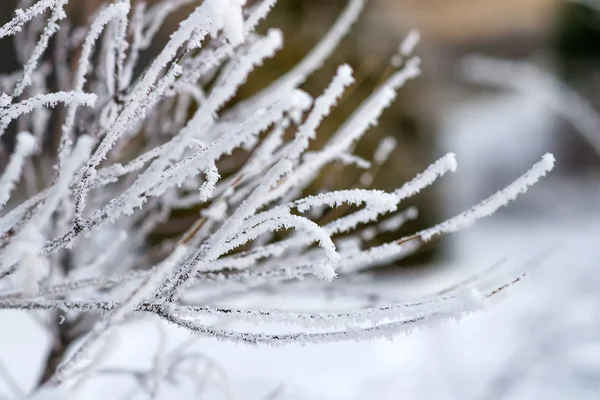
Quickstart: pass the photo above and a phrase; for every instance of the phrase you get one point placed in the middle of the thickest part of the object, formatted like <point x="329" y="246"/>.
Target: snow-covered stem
<point x="116" y="10"/>
<point x="25" y="147"/>
<point x="58" y="13"/>
<point x="494" y="202"/>
<point x="315" y="59"/>
<point x="23" y="16"/>
<point x="14" y="111"/>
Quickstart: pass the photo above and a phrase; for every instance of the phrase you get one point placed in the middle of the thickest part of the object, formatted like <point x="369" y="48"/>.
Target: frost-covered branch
<point x="137" y="143"/>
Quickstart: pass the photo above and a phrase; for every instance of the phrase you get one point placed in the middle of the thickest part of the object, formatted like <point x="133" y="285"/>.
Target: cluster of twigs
<point x="134" y="146"/>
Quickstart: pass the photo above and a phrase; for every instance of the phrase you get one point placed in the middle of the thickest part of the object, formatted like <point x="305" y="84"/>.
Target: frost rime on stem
<point x="494" y="202"/>
<point x="25" y="147"/>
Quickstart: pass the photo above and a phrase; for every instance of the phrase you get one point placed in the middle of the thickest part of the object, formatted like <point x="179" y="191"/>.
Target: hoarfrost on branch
<point x="129" y="152"/>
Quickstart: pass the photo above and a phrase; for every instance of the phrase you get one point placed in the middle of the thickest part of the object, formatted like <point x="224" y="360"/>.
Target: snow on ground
<point x="542" y="341"/>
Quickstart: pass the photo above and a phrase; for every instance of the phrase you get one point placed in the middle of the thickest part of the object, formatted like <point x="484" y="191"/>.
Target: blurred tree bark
<point x="576" y="55"/>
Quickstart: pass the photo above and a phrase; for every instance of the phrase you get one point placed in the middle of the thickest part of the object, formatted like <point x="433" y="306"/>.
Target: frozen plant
<point x="81" y="200"/>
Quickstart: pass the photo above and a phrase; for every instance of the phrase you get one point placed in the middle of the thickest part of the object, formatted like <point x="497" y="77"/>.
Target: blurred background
<point x="544" y="53"/>
<point x="536" y="91"/>
<point x="497" y="128"/>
